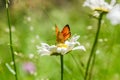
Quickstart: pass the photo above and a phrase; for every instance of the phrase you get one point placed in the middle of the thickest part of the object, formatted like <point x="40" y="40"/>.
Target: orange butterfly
<point x="63" y="35"/>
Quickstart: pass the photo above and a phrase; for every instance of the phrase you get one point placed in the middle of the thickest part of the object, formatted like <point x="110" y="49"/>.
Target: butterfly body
<point x="62" y="36"/>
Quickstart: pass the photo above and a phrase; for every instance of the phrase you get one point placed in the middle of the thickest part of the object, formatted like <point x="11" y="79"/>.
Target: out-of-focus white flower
<point x="112" y="9"/>
<point x="28" y="18"/>
<point x="12" y="29"/>
<point x="31" y="28"/>
<point x="89" y="27"/>
<point x="31" y="55"/>
<point x="99" y="5"/>
<point x="61" y="48"/>
<point x="114" y="15"/>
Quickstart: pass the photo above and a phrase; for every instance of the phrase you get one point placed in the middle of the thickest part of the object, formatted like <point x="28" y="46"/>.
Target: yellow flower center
<point x="62" y="45"/>
<point x="101" y="9"/>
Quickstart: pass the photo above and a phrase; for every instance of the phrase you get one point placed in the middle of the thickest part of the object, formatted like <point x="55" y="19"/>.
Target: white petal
<point x="61" y="50"/>
<point x="114" y="15"/>
<point x="44" y="45"/>
<point x="101" y="4"/>
<point x="53" y="48"/>
<point x="79" y="47"/>
<point x="45" y="49"/>
<point x="74" y="38"/>
<point x="112" y="3"/>
<point x="44" y="52"/>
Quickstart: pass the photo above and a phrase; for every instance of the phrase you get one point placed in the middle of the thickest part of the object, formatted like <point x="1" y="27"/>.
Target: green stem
<point x="80" y="68"/>
<point x="61" y="60"/>
<point x="94" y="55"/>
<point x="10" y="39"/>
<point x="94" y="46"/>
<point x="92" y="65"/>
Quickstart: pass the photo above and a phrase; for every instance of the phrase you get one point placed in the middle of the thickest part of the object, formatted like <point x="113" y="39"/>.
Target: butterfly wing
<point x="66" y="32"/>
<point x="59" y="36"/>
<point x="63" y="35"/>
<point x="56" y="30"/>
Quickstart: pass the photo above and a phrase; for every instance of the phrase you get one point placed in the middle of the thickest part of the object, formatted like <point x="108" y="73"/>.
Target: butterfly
<point x="62" y="36"/>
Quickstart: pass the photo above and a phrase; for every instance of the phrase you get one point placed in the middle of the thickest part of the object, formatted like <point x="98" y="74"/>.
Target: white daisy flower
<point x="61" y="48"/>
<point x="99" y="5"/>
<point x="112" y="9"/>
<point x="114" y="15"/>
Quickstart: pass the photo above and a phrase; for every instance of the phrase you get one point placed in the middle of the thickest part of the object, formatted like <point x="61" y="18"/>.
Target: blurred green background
<point x="33" y="22"/>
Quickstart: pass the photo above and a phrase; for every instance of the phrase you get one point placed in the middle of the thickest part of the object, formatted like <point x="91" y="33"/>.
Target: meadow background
<point x="33" y="22"/>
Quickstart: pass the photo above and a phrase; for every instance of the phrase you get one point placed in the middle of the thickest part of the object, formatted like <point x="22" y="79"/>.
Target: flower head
<point x="99" y="5"/>
<point x="61" y="48"/>
<point x="112" y="9"/>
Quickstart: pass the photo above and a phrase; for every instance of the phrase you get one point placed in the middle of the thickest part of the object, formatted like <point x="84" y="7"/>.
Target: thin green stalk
<point x="80" y="68"/>
<point x="92" y="66"/>
<point x="94" y="46"/>
<point x="62" y="69"/>
<point x="94" y="55"/>
<point x="10" y="38"/>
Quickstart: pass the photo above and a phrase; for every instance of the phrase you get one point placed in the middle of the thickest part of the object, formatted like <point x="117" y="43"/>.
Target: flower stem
<point x="94" y="46"/>
<point x="61" y="60"/>
<point x="10" y="38"/>
<point x="94" y="55"/>
<point x="91" y="69"/>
